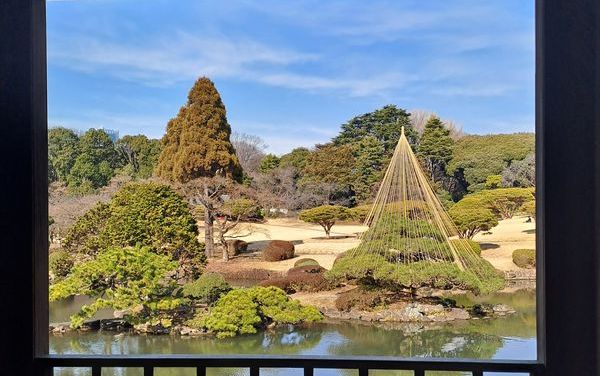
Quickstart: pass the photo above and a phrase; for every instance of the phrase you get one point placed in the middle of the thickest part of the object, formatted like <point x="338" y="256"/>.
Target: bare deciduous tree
<point x="224" y="203"/>
<point x="418" y="119"/>
<point x="249" y="149"/>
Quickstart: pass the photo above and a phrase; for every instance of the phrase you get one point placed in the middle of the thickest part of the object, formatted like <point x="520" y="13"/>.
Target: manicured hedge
<point x="278" y="250"/>
<point x="524" y="258"/>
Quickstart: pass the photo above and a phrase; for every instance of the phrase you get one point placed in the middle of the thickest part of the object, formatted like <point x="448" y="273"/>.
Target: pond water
<point x="511" y="337"/>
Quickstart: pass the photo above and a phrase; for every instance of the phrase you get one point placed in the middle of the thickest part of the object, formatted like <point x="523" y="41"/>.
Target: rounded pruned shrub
<point x="461" y="243"/>
<point x="207" y="289"/>
<point x="243" y="311"/>
<point x="236" y="246"/>
<point x="524" y="258"/>
<point x="308" y="278"/>
<point x="60" y="263"/>
<point x="278" y="250"/>
<point x="306" y="262"/>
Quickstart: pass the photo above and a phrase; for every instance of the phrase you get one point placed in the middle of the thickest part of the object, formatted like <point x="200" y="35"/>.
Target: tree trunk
<point x="209" y="241"/>
<point x="225" y="251"/>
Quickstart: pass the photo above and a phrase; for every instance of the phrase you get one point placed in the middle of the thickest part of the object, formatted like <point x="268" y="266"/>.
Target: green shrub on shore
<point x="377" y="270"/>
<point x="145" y="214"/>
<point x="524" y="258"/>
<point x="119" y="278"/>
<point x="243" y="311"/>
<point x="60" y="263"/>
<point x="207" y="289"/>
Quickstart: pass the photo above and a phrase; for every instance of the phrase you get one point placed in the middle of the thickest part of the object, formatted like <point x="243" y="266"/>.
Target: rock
<point x="502" y="310"/>
<point x="187" y="331"/>
<point x="90" y="325"/>
<point x="148" y="328"/>
<point x="482" y="310"/>
<point x="413" y="312"/>
<point x="114" y="325"/>
<point x="60" y="328"/>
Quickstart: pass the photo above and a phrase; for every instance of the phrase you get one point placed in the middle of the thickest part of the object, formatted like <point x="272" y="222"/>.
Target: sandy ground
<point x="497" y="245"/>
<point x="309" y="241"/>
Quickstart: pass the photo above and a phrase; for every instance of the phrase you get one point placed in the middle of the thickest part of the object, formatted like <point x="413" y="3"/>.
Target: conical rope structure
<point x="411" y="241"/>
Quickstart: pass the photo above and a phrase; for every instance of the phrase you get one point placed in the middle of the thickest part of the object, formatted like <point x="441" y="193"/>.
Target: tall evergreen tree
<point x="198" y="145"/>
<point x="435" y="147"/>
<point x="63" y="148"/>
<point x="369" y="158"/>
<point x="384" y="124"/>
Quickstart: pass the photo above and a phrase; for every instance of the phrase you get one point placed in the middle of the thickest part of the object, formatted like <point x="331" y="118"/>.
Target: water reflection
<point x="509" y="338"/>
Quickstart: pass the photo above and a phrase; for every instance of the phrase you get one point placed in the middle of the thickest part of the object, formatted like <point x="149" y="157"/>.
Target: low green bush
<point x="243" y="311"/>
<point x="377" y="270"/>
<point x="278" y="250"/>
<point x="60" y="263"/>
<point x="207" y="289"/>
<point x="461" y="244"/>
<point x="306" y="262"/>
<point x="524" y="258"/>
<point x="359" y="213"/>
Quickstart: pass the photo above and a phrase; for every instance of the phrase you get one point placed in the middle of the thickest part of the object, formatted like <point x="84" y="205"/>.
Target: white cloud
<point x="170" y="59"/>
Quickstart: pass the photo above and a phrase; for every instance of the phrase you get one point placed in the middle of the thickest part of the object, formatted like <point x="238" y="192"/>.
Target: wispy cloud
<point x="170" y="59"/>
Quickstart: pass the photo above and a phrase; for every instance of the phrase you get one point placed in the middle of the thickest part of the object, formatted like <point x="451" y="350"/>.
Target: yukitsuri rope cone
<point x="411" y="241"/>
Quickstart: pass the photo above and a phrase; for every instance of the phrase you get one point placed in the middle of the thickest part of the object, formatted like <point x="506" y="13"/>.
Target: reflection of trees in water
<point x="416" y="341"/>
<point x="284" y="340"/>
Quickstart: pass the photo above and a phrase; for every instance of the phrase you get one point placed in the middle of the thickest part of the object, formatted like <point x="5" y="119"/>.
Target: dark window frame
<point x="568" y="202"/>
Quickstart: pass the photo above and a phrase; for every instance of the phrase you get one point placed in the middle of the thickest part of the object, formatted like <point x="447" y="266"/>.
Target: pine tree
<point x="435" y="147"/>
<point x="197" y="145"/>
<point x="197" y="142"/>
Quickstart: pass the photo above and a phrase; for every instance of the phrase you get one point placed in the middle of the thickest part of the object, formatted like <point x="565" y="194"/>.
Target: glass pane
<point x="248" y="178"/>
<point x="64" y="371"/>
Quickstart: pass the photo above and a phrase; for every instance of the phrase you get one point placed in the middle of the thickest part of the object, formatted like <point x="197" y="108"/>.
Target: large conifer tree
<point x="197" y="145"/>
<point x="435" y="147"/>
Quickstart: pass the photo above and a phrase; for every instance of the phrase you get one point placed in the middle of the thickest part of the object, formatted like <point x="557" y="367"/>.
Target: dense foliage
<point x="87" y="162"/>
<point x="63" y="148"/>
<point x="325" y="216"/>
<point x="406" y="253"/>
<point x="502" y="202"/>
<point x="524" y="258"/>
<point x="383" y="124"/>
<point x="60" y="263"/>
<point x="140" y="154"/>
<point x="268" y="163"/>
<point x="477" y="157"/>
<point x="470" y="219"/>
<point x="118" y="278"/>
<point x="435" y="147"/>
<point x="197" y="142"/>
<point x="243" y="311"/>
<point x="207" y="289"/>
<point x="375" y="269"/>
<point x="145" y="214"/>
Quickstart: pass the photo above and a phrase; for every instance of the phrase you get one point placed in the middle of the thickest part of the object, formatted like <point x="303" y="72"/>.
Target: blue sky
<point x="291" y="71"/>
